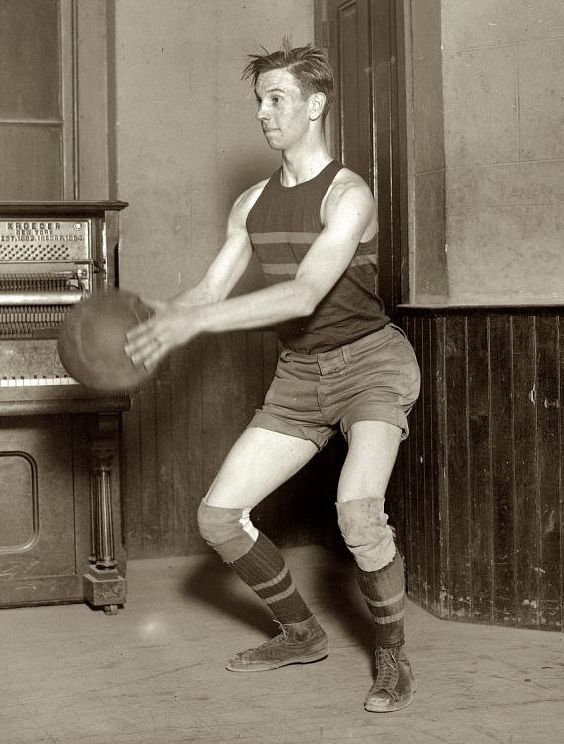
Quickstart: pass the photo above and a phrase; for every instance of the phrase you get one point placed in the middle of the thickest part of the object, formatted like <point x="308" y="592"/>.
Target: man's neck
<point x="303" y="165"/>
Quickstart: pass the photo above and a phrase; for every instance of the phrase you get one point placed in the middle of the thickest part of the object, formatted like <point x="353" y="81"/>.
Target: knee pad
<point x="366" y="532"/>
<point x="229" y="532"/>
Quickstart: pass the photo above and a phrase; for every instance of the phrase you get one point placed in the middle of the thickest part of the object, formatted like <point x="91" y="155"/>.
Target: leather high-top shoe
<point x="395" y="683"/>
<point x="298" y="643"/>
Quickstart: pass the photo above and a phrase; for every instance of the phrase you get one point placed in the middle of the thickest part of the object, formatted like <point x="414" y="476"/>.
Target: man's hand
<point x="173" y="324"/>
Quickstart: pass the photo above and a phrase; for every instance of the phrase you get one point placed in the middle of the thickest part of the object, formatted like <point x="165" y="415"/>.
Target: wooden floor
<point x="153" y="674"/>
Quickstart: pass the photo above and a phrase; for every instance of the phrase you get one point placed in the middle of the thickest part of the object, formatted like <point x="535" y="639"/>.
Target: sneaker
<point x="299" y="643"/>
<point x="395" y="683"/>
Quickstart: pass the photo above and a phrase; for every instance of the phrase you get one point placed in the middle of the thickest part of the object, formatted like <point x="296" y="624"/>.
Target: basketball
<point x="92" y="337"/>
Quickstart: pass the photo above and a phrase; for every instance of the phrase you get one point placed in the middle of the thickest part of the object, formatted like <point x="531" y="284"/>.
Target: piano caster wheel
<point x="111" y="609"/>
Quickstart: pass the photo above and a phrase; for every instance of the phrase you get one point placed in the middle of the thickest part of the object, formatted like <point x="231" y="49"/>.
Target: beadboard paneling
<point x="483" y="477"/>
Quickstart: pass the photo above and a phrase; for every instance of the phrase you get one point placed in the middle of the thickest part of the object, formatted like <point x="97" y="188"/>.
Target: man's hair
<point x="308" y="64"/>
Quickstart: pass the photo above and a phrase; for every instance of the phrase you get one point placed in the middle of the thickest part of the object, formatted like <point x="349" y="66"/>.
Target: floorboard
<point x="154" y="674"/>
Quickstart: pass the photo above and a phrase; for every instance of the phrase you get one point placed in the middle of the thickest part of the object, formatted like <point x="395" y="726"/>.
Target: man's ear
<point x="316" y="105"/>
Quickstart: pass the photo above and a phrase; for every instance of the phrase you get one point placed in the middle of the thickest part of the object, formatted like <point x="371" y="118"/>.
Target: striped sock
<point x="263" y="569"/>
<point x="384" y="593"/>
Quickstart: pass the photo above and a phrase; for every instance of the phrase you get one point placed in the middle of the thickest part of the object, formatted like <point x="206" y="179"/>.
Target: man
<point x="313" y="225"/>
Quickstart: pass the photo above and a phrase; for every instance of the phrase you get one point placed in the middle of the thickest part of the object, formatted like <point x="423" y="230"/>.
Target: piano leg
<point x="103" y="585"/>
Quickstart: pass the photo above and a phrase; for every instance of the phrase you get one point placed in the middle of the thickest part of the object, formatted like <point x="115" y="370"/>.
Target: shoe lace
<point x="283" y="629"/>
<point x="387" y="672"/>
<point x="251" y="651"/>
<point x="272" y="640"/>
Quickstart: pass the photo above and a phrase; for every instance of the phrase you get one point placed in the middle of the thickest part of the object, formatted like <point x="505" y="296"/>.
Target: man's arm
<point x="231" y="261"/>
<point x="348" y="212"/>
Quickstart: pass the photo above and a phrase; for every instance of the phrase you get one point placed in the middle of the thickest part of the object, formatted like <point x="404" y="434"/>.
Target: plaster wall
<point x="187" y="142"/>
<point x="503" y="92"/>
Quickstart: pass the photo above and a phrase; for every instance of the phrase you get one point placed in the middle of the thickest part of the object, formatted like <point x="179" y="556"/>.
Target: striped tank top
<point x="282" y="225"/>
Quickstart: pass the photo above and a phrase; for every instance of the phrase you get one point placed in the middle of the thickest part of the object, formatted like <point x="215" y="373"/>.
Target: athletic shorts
<point x="312" y="395"/>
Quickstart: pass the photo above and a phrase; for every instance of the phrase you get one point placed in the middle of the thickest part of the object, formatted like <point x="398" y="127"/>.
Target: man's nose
<point x="261" y="112"/>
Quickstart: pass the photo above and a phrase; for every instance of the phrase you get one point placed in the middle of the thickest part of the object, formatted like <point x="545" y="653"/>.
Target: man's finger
<point x="143" y="351"/>
<point x="138" y="330"/>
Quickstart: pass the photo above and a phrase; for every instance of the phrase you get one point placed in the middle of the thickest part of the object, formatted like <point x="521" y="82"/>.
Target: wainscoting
<point x="483" y="508"/>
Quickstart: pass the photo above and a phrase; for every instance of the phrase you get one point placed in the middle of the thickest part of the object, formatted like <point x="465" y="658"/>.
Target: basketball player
<point x="313" y="226"/>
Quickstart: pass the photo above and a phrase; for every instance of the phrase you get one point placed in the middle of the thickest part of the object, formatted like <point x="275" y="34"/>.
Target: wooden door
<point x="366" y="132"/>
<point x="364" y="129"/>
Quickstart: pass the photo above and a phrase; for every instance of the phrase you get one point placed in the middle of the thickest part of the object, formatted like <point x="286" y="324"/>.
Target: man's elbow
<point x="307" y="299"/>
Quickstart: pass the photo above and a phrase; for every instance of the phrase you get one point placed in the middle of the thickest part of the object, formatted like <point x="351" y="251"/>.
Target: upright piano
<point x="60" y="443"/>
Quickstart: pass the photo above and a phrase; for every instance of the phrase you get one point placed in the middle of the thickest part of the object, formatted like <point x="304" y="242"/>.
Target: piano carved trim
<point x="103" y="585"/>
<point x="34" y="498"/>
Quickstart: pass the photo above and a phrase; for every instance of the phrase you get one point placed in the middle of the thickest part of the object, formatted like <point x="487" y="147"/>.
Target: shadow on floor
<point x="214" y="584"/>
<point x="336" y="593"/>
<point x="342" y="601"/>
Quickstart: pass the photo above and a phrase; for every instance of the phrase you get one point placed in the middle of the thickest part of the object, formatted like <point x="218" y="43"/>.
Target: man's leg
<point x="259" y="462"/>
<point x="373" y="447"/>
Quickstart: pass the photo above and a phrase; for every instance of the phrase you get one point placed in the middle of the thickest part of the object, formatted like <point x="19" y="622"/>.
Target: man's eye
<point x="275" y="99"/>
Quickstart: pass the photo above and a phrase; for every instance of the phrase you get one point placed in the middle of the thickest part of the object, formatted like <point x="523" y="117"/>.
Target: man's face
<point x="282" y="109"/>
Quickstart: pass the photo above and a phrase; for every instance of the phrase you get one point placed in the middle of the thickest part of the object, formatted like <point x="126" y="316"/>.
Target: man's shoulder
<point x="345" y="177"/>
<point x="248" y="198"/>
<point x="350" y="192"/>
<point x="348" y="182"/>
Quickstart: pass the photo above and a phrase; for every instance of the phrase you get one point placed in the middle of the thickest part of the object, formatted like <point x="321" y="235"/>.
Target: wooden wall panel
<point x="480" y="535"/>
<point x="548" y="468"/>
<point x="418" y="469"/>
<point x="488" y="545"/>
<point x="409" y="459"/>
<point x="457" y="453"/>
<point x="502" y="443"/>
<point x="428" y="464"/>
<point x="526" y="545"/>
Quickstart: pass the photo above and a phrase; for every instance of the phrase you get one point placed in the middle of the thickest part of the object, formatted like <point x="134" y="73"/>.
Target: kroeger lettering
<point x="34" y="226"/>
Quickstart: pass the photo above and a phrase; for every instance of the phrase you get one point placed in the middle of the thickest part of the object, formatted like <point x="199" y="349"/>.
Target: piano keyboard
<point x="59" y="394"/>
<point x="30" y="382"/>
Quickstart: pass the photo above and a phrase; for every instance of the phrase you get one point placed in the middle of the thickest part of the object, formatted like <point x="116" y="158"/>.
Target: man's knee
<point x="366" y="532"/>
<point x="229" y="532"/>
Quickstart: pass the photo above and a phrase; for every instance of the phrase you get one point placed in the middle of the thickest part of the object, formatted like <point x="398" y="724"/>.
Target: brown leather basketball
<point x="92" y="339"/>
